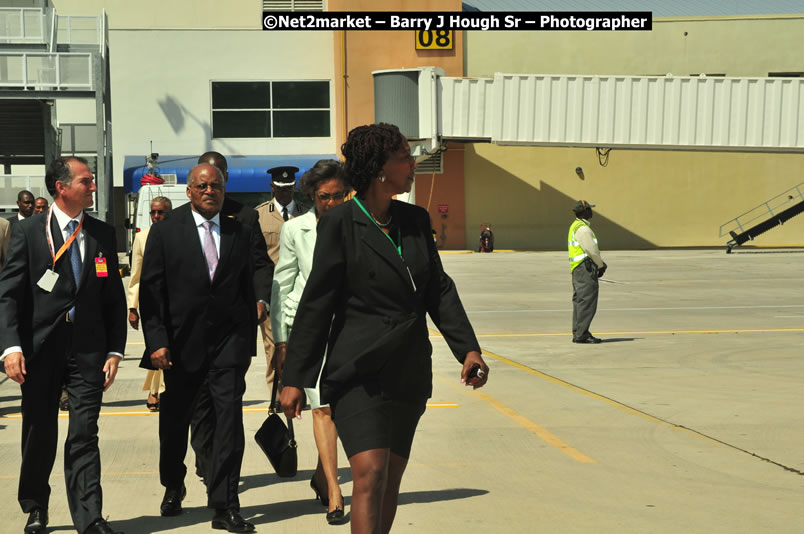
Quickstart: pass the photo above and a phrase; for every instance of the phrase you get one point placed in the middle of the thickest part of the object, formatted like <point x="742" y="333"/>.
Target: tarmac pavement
<point x="688" y="418"/>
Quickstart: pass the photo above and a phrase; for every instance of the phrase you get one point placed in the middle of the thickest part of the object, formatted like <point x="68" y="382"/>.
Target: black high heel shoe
<point x="335" y="517"/>
<point x="319" y="495"/>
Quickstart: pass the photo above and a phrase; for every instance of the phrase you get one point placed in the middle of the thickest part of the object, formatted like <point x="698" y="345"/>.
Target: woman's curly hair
<point x="366" y="150"/>
<point x="323" y="171"/>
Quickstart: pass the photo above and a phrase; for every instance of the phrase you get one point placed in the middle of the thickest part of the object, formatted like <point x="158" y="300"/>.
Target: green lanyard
<point x="398" y="238"/>
<point x="398" y="231"/>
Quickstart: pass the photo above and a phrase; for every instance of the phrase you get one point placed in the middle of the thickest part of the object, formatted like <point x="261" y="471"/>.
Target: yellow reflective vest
<point x="576" y="253"/>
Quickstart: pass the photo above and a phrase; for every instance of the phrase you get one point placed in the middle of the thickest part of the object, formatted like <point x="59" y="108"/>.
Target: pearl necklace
<point x="385" y="224"/>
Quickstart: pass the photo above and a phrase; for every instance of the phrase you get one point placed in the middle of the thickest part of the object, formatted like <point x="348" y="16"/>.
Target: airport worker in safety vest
<point x="587" y="267"/>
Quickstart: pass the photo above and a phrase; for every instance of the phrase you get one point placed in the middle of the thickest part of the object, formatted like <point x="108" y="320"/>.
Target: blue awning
<point x="247" y="174"/>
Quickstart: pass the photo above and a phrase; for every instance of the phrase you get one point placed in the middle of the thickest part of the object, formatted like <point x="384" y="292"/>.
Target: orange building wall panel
<point x="357" y="55"/>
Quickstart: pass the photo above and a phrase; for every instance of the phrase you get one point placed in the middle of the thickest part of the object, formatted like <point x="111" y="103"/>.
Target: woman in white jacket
<point x="326" y="186"/>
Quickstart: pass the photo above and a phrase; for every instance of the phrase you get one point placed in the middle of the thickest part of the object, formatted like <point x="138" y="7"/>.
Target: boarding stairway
<point x="768" y="215"/>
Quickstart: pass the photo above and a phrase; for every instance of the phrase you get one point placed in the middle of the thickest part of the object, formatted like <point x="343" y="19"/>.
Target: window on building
<point x="270" y="109"/>
<point x="293" y="5"/>
<point x="785" y="74"/>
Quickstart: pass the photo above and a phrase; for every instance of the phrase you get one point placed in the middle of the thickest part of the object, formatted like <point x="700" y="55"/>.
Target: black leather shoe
<point x="101" y="527"/>
<point x="171" y="502"/>
<point x="335" y="517"/>
<point x="319" y="495"/>
<point x="588" y="339"/>
<point x="230" y="520"/>
<point x="37" y="522"/>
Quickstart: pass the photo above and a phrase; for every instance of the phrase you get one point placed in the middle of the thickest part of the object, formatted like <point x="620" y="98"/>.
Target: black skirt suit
<point x="366" y="306"/>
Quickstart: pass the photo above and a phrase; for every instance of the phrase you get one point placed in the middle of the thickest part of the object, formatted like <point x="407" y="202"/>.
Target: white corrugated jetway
<point x="626" y="112"/>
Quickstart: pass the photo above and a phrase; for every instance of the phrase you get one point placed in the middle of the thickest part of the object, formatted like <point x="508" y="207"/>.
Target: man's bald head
<point x="205" y="189"/>
<point x="216" y="159"/>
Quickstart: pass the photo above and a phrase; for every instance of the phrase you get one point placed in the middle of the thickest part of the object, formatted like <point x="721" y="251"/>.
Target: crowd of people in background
<point x="340" y="290"/>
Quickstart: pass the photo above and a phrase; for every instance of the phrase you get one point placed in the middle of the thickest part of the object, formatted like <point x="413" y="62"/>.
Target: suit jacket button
<point x="371" y="274"/>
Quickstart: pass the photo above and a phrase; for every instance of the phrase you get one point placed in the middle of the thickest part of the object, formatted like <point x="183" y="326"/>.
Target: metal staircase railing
<point x="762" y="218"/>
<point x="44" y="70"/>
<point x="22" y="25"/>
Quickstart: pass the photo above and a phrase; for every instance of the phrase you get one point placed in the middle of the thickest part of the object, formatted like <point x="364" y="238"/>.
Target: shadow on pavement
<point x="141" y="402"/>
<point x="765" y="251"/>
<point x="413" y="497"/>
<point x="618" y="339"/>
<point x="248" y="482"/>
<point x="201" y="517"/>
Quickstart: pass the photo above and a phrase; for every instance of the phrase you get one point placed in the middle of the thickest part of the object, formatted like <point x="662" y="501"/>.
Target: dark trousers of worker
<point x="54" y="367"/>
<point x="202" y="428"/>
<point x="226" y="389"/>
<point x="584" y="298"/>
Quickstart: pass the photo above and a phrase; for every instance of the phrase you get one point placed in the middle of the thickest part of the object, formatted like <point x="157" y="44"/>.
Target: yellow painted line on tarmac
<point x="544" y="434"/>
<point x="434" y="333"/>
<point x="263" y="410"/>
<point x="582" y="391"/>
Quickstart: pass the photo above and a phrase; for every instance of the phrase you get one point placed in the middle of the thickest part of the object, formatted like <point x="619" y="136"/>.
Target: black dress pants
<point x="54" y="367"/>
<point x="202" y="429"/>
<point x="176" y="407"/>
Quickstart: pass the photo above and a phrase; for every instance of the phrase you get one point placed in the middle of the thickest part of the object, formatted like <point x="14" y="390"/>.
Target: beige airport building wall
<point x="645" y="199"/>
<point x="170" y="14"/>
<point x="163" y="58"/>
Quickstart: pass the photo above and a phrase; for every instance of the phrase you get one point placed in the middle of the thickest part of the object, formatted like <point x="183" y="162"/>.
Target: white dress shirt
<point x="62" y="222"/>
<point x="291" y="207"/>
<point x="202" y="232"/>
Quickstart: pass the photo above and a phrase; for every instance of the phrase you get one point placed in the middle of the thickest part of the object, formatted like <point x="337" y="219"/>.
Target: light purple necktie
<point x="210" y="252"/>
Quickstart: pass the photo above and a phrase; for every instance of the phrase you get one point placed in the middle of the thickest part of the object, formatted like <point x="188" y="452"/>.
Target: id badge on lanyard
<point x="50" y="277"/>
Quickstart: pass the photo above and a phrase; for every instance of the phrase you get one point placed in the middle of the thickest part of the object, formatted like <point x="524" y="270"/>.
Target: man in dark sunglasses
<point x="160" y="206"/>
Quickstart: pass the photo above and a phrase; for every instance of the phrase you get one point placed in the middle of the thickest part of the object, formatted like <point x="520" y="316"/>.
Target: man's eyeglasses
<point x="158" y="212"/>
<point x="325" y="197"/>
<point x="203" y="187"/>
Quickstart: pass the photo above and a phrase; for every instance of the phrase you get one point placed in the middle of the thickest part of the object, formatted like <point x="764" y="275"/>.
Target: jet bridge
<point x="604" y="112"/>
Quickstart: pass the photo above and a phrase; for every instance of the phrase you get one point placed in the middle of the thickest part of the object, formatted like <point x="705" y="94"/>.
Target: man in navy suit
<point x="62" y="322"/>
<point x="197" y="304"/>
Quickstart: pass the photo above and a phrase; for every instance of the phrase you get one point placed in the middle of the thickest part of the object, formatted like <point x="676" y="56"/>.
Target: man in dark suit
<point x="197" y="306"/>
<point x="62" y="321"/>
<point x="202" y="425"/>
<point x="25" y="204"/>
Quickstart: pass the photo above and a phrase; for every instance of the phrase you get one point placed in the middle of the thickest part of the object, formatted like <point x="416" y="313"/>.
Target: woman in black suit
<point x="376" y="273"/>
